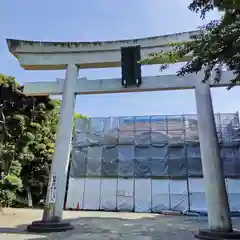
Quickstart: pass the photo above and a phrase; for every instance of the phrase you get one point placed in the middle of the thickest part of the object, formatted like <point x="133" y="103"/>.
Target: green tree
<point x="216" y="46"/>
<point x="28" y="128"/>
<point x="10" y="187"/>
<point x="22" y="121"/>
<point x="36" y="153"/>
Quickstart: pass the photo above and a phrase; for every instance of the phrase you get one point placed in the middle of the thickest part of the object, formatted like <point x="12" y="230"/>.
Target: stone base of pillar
<point x="214" y="235"/>
<point x="48" y="227"/>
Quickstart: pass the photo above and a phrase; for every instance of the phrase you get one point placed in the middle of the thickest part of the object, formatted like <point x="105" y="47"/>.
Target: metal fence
<point x="149" y="146"/>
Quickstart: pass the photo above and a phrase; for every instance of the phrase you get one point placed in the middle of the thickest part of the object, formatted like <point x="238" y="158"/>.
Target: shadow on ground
<point x="157" y="227"/>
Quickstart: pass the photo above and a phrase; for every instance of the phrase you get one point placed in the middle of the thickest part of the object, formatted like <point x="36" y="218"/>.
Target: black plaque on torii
<point x="131" y="68"/>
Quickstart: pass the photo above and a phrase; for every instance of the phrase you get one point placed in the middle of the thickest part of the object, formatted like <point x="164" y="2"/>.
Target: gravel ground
<point x="105" y="226"/>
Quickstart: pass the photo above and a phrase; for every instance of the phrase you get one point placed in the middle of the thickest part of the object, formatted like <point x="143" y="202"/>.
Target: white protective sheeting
<point x="197" y="195"/>
<point x="92" y="194"/>
<point x="108" y="199"/>
<point x="179" y="195"/>
<point x="160" y="195"/>
<point x="143" y="195"/>
<point x="233" y="187"/>
<point x="75" y="193"/>
<point x="125" y="193"/>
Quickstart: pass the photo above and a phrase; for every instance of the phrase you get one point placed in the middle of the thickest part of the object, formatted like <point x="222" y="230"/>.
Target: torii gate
<point x="72" y="56"/>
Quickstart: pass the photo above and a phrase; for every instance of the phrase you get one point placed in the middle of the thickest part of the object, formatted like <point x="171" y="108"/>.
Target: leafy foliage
<point x="217" y="45"/>
<point x="28" y="128"/>
<point x="10" y="186"/>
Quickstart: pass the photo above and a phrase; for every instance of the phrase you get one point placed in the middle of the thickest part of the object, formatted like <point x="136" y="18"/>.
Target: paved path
<point x="105" y="226"/>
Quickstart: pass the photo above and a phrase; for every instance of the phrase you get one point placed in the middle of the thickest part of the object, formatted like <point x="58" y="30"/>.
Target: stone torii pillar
<point x="53" y="209"/>
<point x="219" y="220"/>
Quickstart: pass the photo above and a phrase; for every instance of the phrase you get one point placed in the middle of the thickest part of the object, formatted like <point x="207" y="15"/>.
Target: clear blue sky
<point x="86" y="20"/>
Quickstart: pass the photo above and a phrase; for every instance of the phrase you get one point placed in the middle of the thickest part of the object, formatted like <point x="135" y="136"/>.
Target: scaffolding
<point x="149" y="147"/>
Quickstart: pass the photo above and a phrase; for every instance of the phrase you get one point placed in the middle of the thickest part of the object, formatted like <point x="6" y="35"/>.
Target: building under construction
<point x="147" y="163"/>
